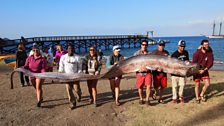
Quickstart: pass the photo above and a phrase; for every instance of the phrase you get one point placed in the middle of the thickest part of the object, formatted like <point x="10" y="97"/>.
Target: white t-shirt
<point x="70" y="64"/>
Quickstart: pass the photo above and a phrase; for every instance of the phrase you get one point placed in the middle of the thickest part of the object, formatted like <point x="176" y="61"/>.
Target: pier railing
<point x="84" y="42"/>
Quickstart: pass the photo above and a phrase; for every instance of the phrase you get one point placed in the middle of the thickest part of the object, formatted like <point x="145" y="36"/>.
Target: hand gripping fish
<point x="126" y="66"/>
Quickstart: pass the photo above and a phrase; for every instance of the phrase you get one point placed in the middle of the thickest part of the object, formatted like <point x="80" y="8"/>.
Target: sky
<point x="35" y="18"/>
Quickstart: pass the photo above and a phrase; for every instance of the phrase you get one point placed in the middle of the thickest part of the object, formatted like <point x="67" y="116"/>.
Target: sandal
<point x="118" y="103"/>
<point x="154" y="96"/>
<point x="161" y="101"/>
<point x="141" y="102"/>
<point x="198" y="100"/>
<point x="203" y="98"/>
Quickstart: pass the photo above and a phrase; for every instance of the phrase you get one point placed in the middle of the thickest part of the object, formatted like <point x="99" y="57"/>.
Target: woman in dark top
<point x="20" y="61"/>
<point x="93" y="68"/>
<point x="114" y="59"/>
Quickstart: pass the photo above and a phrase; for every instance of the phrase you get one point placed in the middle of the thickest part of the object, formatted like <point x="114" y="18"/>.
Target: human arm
<point x="210" y="61"/>
<point x="108" y="64"/>
<point x="43" y="65"/>
<point x="61" y="65"/>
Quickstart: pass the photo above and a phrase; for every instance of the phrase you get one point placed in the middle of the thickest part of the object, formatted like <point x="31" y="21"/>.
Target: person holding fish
<point x="179" y="82"/>
<point x="36" y="64"/>
<point x="71" y="63"/>
<point x="204" y="57"/>
<point x="92" y="68"/>
<point x="159" y="77"/>
<point x="143" y="76"/>
<point x="115" y="81"/>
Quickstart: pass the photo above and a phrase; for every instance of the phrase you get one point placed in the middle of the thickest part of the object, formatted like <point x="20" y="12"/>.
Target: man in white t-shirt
<point x="71" y="63"/>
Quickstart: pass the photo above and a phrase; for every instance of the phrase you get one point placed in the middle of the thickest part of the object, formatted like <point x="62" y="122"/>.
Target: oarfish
<point x="129" y="65"/>
<point x="153" y="62"/>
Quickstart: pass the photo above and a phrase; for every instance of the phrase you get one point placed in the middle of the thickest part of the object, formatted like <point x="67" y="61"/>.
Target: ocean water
<point x="192" y="44"/>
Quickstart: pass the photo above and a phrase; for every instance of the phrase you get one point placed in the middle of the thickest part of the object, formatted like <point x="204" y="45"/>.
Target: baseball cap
<point x="182" y="43"/>
<point x="35" y="47"/>
<point x="161" y="42"/>
<point x="117" y="47"/>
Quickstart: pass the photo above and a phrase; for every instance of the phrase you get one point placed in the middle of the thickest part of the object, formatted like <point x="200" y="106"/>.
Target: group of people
<point x="144" y="77"/>
<point x="69" y="62"/>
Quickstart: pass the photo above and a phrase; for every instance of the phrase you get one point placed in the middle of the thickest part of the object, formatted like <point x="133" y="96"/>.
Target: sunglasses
<point x="36" y="50"/>
<point x="91" y="50"/>
<point x="161" y="45"/>
<point x="144" y="44"/>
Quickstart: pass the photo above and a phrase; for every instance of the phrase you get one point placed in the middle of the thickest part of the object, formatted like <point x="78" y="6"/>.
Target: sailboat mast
<point x="213" y="33"/>
<point x="220" y="28"/>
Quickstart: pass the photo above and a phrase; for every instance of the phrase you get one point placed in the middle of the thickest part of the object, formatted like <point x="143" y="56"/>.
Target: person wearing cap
<point x="143" y="76"/>
<point x="115" y="82"/>
<point x="204" y="57"/>
<point x="37" y="64"/>
<point x="36" y="46"/>
<point x="177" y="81"/>
<point x="71" y="63"/>
<point x="159" y="77"/>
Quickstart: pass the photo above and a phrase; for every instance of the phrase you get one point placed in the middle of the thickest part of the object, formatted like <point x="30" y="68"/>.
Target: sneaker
<point x="72" y="106"/>
<point x="90" y="101"/>
<point x="95" y="105"/>
<point x="22" y="85"/>
<point x="181" y="99"/>
<point x="174" y="101"/>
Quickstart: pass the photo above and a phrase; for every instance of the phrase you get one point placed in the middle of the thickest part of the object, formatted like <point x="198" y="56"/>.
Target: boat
<point x="213" y="36"/>
<point x="9" y="60"/>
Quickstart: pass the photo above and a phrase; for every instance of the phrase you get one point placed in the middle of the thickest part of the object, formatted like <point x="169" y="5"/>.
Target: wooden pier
<point x="81" y="43"/>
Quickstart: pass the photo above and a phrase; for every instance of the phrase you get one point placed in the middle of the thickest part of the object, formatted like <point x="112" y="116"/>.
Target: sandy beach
<point x="18" y="105"/>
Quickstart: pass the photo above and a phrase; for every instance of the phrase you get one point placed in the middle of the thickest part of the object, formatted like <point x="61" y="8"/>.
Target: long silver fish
<point x="129" y="65"/>
<point x="153" y="62"/>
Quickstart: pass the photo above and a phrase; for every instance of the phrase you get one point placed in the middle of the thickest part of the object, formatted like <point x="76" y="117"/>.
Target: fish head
<point x="193" y="70"/>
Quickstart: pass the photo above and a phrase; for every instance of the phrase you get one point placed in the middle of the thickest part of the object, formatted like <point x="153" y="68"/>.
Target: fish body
<point x="129" y="65"/>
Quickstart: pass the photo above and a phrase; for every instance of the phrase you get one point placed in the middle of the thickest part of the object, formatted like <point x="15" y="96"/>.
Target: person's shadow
<point x="215" y="90"/>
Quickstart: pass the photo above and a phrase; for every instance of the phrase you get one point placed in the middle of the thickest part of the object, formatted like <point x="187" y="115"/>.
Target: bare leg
<point x="140" y="91"/>
<point x="112" y="86"/>
<point x="38" y="89"/>
<point x="205" y="87"/>
<point x="117" y="90"/>
<point x="89" y="84"/>
<point x="147" y="93"/>
<point x="94" y="91"/>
